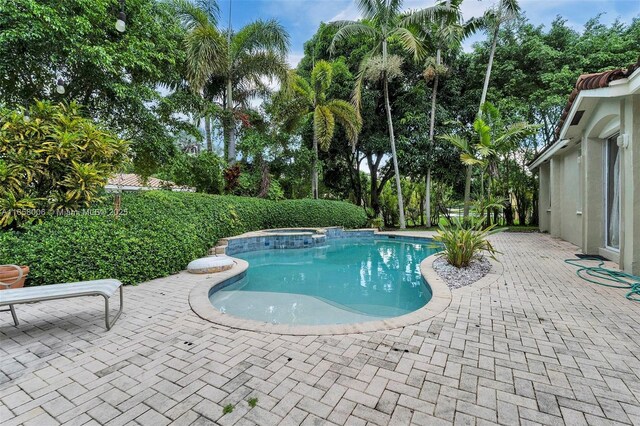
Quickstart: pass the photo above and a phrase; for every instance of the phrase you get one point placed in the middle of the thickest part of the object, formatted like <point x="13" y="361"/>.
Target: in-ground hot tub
<point x="291" y="231"/>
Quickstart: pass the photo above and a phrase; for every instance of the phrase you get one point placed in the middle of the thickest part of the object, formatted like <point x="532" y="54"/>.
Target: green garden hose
<point x="607" y="277"/>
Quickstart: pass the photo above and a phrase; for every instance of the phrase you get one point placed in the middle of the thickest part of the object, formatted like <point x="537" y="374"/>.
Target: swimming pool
<point x="343" y="281"/>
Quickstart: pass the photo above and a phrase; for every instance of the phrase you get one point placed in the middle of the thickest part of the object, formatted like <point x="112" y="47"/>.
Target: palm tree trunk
<point x="207" y="133"/>
<point x="467" y="193"/>
<point x="427" y="197"/>
<point x="489" y="200"/>
<point x="432" y="126"/>
<point x="487" y="76"/>
<point x="231" y="142"/>
<point x="392" y="139"/>
<point x="314" y="171"/>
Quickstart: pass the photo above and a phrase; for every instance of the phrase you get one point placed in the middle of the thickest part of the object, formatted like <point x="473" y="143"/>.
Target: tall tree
<point x="383" y="20"/>
<point x="444" y="33"/>
<point x="205" y="50"/>
<point x="232" y="67"/>
<point x="113" y="75"/>
<point x="312" y="104"/>
<point x="257" y="52"/>
<point x="503" y="12"/>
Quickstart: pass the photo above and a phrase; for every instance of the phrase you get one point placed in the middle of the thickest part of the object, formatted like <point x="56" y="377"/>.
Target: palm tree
<point x="383" y="21"/>
<point x="503" y="12"/>
<point x="253" y="55"/>
<point x="492" y="140"/>
<point x="446" y="32"/>
<point x="233" y="67"/>
<point x="205" y="50"/>
<point x="312" y="104"/>
<point x="469" y="159"/>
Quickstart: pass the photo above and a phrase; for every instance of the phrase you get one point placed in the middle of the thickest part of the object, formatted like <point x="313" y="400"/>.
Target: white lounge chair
<point x="104" y="288"/>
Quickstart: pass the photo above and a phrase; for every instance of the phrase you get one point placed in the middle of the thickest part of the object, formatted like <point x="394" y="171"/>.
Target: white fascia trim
<point x="617" y="88"/>
<point x="550" y="152"/>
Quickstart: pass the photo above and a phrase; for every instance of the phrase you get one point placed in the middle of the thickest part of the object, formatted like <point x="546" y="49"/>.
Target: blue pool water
<point x="344" y="281"/>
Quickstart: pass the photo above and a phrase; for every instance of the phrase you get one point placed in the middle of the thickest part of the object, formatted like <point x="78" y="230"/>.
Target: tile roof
<point x="594" y="81"/>
<point x="588" y="82"/>
<point x="133" y="180"/>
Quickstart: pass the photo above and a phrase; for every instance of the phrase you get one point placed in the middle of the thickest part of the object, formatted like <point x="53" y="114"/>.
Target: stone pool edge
<point x="200" y="304"/>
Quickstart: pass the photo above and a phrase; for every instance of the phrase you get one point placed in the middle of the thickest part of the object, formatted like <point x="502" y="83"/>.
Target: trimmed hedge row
<point x="160" y="233"/>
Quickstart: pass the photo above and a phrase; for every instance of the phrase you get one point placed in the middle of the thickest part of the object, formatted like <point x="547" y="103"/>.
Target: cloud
<point x="294" y="58"/>
<point x="350" y="13"/>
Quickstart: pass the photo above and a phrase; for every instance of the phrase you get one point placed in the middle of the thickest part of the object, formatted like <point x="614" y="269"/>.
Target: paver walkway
<point x="537" y="347"/>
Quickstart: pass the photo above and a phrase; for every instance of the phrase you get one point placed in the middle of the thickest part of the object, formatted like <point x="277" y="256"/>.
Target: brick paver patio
<point x="539" y="346"/>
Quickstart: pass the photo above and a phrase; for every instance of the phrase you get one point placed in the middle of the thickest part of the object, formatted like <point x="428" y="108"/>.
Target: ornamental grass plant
<point x="465" y="241"/>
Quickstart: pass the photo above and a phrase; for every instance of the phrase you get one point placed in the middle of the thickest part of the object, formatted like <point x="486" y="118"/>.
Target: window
<point x="612" y="193"/>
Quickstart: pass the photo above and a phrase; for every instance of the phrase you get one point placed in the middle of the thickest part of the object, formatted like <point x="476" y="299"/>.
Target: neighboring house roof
<point x="132" y="182"/>
<point x="588" y="82"/>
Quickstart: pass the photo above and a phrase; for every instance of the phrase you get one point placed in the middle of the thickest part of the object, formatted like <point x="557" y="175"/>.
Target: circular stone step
<point x="209" y="265"/>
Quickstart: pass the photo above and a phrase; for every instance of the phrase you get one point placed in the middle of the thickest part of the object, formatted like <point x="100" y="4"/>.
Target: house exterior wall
<point x="563" y="218"/>
<point x="630" y="255"/>
<point x="573" y="180"/>
<point x="544" y="198"/>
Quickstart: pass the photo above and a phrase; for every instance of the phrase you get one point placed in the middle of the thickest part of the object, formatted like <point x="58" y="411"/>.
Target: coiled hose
<point x="600" y="275"/>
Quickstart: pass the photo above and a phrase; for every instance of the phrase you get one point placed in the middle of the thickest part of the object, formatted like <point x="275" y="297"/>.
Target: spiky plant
<point x="464" y="241"/>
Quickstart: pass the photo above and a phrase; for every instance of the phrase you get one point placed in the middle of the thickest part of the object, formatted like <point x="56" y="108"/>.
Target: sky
<point x="301" y="18"/>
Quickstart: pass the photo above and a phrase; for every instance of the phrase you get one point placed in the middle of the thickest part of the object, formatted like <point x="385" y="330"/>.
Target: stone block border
<point x="199" y="301"/>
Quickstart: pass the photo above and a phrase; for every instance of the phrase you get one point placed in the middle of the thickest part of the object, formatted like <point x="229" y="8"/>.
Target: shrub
<point x="158" y="233"/>
<point x="463" y="241"/>
<point x="202" y="172"/>
<point x="52" y="158"/>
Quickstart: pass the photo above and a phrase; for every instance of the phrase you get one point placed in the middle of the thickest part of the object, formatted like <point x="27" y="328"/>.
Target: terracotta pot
<point x="9" y="275"/>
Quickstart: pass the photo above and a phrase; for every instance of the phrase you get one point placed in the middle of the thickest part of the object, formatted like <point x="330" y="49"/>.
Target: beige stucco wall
<point x="630" y="125"/>
<point x="544" y="198"/>
<point x="579" y="171"/>
<point x="564" y="174"/>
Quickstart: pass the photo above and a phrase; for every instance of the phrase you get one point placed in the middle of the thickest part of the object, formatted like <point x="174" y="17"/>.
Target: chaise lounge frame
<point x="104" y="288"/>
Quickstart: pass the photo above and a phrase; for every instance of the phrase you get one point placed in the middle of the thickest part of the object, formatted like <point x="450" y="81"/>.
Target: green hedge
<point x="161" y="232"/>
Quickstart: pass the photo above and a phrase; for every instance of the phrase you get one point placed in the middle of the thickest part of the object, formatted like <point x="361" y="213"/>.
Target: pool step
<point x="220" y="247"/>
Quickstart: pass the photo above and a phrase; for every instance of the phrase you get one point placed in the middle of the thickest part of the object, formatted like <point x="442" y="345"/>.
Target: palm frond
<point x="321" y="77"/>
<point x="347" y="29"/>
<point x="469" y="160"/>
<point x="347" y="116"/>
<point x="456" y="140"/>
<point x="510" y="6"/>
<point x="261" y="35"/>
<point x="212" y="9"/>
<point x="193" y="16"/>
<point x="483" y="130"/>
<point x="428" y="15"/>
<point x="409" y="41"/>
<point x="300" y="88"/>
<point x="370" y="8"/>
<point x="323" y="126"/>
<point x="205" y="54"/>
<point x="516" y="131"/>
<point x="472" y="26"/>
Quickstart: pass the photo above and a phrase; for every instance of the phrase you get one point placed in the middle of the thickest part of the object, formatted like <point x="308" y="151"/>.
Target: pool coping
<point x="441" y="298"/>
<point x="200" y="304"/>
